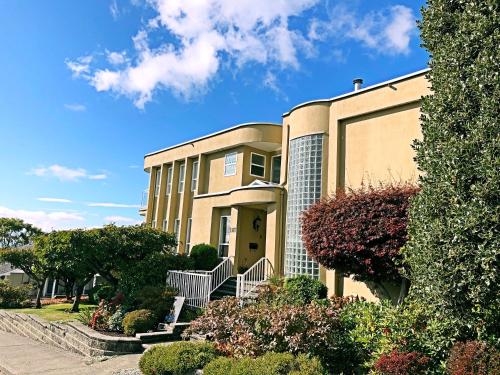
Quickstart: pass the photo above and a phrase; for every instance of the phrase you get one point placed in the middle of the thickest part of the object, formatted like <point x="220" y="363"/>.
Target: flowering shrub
<point x="360" y="233"/>
<point x="402" y="363"/>
<point x="473" y="358"/>
<point x="255" y="329"/>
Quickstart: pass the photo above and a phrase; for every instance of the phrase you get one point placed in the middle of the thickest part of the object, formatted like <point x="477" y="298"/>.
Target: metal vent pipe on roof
<point x="357" y="83"/>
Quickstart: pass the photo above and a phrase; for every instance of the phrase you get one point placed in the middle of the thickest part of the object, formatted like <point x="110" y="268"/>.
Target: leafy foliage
<point x="303" y="289"/>
<point x="177" y="358"/>
<point x="453" y="252"/>
<point x="205" y="257"/>
<point x="402" y="363"/>
<point x="14" y="296"/>
<point x="157" y="299"/>
<point x="16" y="233"/>
<point x="360" y="233"/>
<point x="138" y="321"/>
<point x="268" y="364"/>
<point x="473" y="358"/>
<point x="255" y="329"/>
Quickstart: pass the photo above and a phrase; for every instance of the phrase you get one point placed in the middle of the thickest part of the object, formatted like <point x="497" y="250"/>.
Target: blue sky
<point x="90" y="86"/>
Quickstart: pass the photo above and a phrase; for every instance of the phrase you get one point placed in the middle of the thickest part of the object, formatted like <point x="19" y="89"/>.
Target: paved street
<point x="23" y="356"/>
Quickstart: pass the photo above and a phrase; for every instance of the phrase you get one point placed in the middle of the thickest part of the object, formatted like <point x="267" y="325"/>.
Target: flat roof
<point x="361" y="91"/>
<point x="211" y="135"/>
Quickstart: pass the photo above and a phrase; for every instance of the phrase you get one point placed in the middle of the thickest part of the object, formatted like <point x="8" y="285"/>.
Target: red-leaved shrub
<point x="473" y="358"/>
<point x="360" y="233"/>
<point x="254" y="329"/>
<point x="402" y="363"/>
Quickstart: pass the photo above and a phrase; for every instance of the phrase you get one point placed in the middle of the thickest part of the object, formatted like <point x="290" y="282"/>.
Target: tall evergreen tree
<point x="454" y="244"/>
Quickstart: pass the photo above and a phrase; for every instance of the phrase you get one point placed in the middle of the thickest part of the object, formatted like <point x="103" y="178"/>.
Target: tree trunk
<point x="403" y="292"/>
<point x="78" y="295"/>
<point x="68" y="289"/>
<point x="38" y="303"/>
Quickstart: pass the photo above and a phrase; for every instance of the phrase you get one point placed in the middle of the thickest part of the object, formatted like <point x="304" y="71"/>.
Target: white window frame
<point x="188" y="235"/>
<point x="157" y="181"/>
<point x="170" y="172"/>
<point x="226" y="164"/>
<point x="221" y="243"/>
<point x="182" y="177"/>
<point x="272" y="169"/>
<point x="165" y="225"/>
<point x="257" y="165"/>
<point x="194" y="175"/>
<point x="177" y="231"/>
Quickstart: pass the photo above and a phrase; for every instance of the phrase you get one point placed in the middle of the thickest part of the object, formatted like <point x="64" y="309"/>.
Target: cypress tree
<point x="453" y="251"/>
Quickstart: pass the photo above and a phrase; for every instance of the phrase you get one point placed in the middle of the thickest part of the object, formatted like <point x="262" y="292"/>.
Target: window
<point x="153" y="224"/>
<point x="225" y="230"/>
<point x="182" y="176"/>
<point x="194" y="176"/>
<point x="177" y="224"/>
<point x="169" y="180"/>
<point x="304" y="189"/>
<point x="257" y="165"/>
<point x="165" y="225"/>
<point x="157" y="181"/>
<point x="230" y="164"/>
<point x="188" y="235"/>
<point x="276" y="169"/>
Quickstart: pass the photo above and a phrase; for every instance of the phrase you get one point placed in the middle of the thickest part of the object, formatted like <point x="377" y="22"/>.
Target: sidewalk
<point x="22" y="356"/>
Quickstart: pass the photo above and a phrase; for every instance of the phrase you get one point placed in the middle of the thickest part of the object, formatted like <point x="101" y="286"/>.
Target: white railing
<point x="197" y="286"/>
<point x="256" y="275"/>
<point x="222" y="272"/>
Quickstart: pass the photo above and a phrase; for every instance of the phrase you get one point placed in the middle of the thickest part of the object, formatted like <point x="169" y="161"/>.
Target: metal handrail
<point x="196" y="286"/>
<point x="256" y="275"/>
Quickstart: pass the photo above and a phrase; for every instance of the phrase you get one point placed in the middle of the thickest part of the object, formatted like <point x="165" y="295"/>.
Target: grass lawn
<point x="54" y="312"/>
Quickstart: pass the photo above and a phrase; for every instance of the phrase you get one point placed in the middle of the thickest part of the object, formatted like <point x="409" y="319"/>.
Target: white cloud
<point x="386" y="31"/>
<point x="121" y="220"/>
<point x="76" y="107"/>
<point x="206" y="36"/>
<point x="113" y="9"/>
<point x="54" y="200"/>
<point x="80" y="67"/>
<point x="66" y="174"/>
<point x="116" y="58"/>
<point x="113" y="205"/>
<point x="45" y="220"/>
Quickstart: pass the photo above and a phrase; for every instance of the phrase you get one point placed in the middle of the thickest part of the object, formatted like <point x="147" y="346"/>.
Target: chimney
<point x="357" y="83"/>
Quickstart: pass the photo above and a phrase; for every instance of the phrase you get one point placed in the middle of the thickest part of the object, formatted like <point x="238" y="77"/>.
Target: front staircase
<point x="227" y="289"/>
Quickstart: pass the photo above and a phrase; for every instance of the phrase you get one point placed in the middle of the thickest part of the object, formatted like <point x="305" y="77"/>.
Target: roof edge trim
<point x="353" y="93"/>
<point x="211" y="135"/>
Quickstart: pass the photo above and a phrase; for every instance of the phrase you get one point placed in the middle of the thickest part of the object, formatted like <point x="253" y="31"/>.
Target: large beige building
<point x="242" y="189"/>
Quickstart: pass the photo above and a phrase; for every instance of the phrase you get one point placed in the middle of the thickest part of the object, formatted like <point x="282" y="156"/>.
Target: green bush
<point x="177" y="359"/>
<point x="14" y="296"/>
<point x="157" y="299"/>
<point x="102" y="292"/>
<point x="205" y="257"/>
<point x="138" y="321"/>
<point x="268" y="364"/>
<point x="303" y="289"/>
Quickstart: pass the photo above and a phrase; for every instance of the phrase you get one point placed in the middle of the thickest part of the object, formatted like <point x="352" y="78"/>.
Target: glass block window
<point x="230" y="164"/>
<point x="304" y="189"/>
<point x="257" y="165"/>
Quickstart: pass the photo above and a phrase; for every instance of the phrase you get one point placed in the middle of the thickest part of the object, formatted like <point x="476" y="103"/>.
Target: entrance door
<point x="224" y="232"/>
